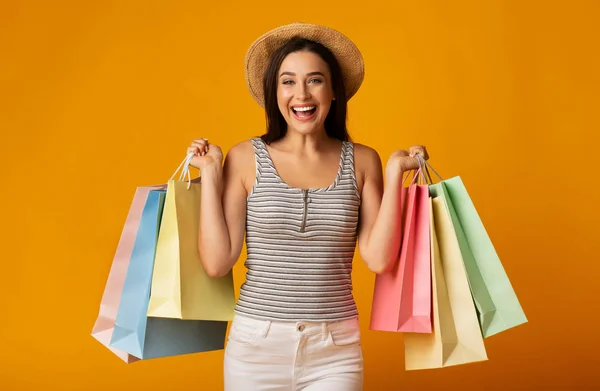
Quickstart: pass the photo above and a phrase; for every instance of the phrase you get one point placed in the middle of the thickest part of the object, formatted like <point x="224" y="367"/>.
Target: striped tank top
<point x="300" y="245"/>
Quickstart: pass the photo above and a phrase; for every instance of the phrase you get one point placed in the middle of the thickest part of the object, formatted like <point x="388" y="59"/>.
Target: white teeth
<point x="304" y="108"/>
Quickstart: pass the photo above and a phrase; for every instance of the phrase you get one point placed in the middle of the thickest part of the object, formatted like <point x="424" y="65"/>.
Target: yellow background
<point x="98" y="97"/>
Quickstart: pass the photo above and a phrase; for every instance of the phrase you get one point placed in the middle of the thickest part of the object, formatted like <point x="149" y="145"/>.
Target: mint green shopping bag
<point x="497" y="304"/>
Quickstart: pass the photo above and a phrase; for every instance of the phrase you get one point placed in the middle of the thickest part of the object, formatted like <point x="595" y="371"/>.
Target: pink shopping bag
<point x="402" y="296"/>
<point x="109" y="305"/>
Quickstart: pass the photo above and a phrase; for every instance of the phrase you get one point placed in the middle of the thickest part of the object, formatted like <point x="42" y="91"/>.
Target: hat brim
<point x="345" y="51"/>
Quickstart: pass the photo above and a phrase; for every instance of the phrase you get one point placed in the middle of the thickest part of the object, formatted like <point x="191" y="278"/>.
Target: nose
<point x="303" y="93"/>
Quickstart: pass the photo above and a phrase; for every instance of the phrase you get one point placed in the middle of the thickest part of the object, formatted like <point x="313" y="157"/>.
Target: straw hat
<point x="344" y="50"/>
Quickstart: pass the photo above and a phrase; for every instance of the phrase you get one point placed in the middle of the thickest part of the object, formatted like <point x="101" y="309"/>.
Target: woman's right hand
<point x="205" y="154"/>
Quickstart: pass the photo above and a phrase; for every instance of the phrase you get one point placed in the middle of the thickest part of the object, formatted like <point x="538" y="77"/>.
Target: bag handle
<point x="422" y="172"/>
<point x="184" y="166"/>
<point x="428" y="166"/>
<point x="419" y="174"/>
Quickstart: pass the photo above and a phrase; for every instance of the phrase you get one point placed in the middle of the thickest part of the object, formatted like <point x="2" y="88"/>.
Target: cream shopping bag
<point x="456" y="337"/>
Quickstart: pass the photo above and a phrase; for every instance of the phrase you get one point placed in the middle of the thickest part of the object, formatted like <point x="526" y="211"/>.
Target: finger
<point x="401" y="152"/>
<point x="202" y="147"/>
<point x="418" y="150"/>
<point x="202" y="141"/>
<point x="197" y="149"/>
<point x="193" y="150"/>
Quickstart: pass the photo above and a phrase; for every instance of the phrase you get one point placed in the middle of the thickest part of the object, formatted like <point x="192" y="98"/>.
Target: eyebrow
<point x="308" y="74"/>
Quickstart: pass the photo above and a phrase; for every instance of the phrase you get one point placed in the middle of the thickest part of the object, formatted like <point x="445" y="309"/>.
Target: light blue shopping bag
<point x="145" y="337"/>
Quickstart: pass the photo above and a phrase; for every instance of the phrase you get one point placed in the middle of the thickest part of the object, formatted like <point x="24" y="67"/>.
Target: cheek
<point x="326" y="102"/>
<point x="327" y="92"/>
<point x="284" y="93"/>
<point x="283" y="97"/>
<point x="325" y="95"/>
<point x="325" y="108"/>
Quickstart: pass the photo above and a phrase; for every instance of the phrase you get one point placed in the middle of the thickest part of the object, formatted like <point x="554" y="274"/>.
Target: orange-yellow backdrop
<point x="100" y="97"/>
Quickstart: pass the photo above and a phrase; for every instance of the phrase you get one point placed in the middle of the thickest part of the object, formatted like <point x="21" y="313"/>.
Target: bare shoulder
<point x="241" y="150"/>
<point x="366" y="159"/>
<point x="367" y="164"/>
<point x="240" y="162"/>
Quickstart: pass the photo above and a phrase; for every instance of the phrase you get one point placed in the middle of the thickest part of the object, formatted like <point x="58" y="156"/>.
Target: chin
<point x="306" y="128"/>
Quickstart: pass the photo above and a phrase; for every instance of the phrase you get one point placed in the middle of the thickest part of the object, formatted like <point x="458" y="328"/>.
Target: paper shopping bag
<point x="402" y="297"/>
<point x="456" y="337"/>
<point x="145" y="337"/>
<point x="109" y="305"/>
<point x="497" y="304"/>
<point x="433" y="350"/>
<point x="416" y="292"/>
<point x="180" y="287"/>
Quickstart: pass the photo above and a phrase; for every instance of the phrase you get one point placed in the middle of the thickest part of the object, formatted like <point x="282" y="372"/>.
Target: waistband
<point x="264" y="326"/>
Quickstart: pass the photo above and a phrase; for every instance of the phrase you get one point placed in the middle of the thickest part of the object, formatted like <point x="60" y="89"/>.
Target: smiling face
<point x="304" y="91"/>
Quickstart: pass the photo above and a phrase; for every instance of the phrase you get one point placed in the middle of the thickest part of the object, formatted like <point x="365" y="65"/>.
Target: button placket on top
<point x="306" y="200"/>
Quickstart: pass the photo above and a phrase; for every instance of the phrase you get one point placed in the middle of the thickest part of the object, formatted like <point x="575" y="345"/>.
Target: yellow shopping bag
<point x="456" y="337"/>
<point x="180" y="286"/>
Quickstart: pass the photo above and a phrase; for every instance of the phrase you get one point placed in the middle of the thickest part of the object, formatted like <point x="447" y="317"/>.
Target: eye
<point x="287" y="82"/>
<point x="317" y="81"/>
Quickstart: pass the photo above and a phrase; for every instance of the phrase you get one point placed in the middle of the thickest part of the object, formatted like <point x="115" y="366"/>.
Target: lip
<point x="304" y="118"/>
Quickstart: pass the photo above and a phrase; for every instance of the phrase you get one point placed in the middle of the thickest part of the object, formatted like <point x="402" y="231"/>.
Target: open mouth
<point x="305" y="112"/>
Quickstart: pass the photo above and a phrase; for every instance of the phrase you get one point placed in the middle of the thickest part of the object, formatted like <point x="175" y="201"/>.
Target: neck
<point x="307" y="144"/>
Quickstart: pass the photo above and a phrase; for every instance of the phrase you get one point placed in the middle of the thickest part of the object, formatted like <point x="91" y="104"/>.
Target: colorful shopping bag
<point x="109" y="305"/>
<point x="417" y="290"/>
<point x="180" y="287"/>
<point x="497" y="304"/>
<point x="402" y="297"/>
<point x="456" y="338"/>
<point x="145" y="337"/>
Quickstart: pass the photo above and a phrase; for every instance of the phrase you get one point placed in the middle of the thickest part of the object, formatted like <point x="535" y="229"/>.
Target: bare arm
<point x="379" y="232"/>
<point x="223" y="210"/>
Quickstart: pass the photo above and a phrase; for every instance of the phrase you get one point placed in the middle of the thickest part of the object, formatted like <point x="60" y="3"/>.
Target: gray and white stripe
<point x="300" y="245"/>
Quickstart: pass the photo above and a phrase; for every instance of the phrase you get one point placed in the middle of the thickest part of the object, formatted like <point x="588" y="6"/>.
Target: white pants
<point x="293" y="356"/>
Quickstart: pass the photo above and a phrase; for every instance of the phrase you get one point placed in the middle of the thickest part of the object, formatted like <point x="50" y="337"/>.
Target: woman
<point x="303" y="194"/>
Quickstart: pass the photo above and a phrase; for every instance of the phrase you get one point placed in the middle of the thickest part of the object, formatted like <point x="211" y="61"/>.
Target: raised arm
<point x="223" y="206"/>
<point x="380" y="227"/>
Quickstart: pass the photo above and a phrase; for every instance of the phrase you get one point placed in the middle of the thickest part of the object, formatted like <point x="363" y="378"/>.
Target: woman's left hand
<point x="401" y="161"/>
